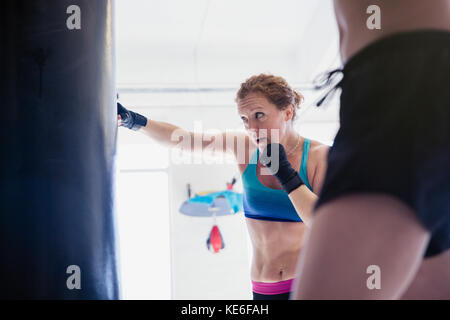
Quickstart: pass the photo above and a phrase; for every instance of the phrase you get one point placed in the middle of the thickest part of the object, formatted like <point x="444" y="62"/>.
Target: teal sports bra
<point x="264" y="203"/>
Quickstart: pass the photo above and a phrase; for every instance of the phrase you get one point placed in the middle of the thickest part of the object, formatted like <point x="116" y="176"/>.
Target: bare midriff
<point x="395" y="17"/>
<point x="276" y="245"/>
<point x="276" y="249"/>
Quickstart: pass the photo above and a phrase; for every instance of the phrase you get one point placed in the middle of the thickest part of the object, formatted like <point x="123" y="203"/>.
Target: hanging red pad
<point x="215" y="241"/>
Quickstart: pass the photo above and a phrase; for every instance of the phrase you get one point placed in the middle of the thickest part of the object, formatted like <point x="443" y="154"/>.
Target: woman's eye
<point x="244" y="119"/>
<point x="258" y="115"/>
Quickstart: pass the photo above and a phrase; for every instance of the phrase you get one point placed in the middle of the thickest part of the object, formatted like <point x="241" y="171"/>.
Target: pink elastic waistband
<point x="272" y="287"/>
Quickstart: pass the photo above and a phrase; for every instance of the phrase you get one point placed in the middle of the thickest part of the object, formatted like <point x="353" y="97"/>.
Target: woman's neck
<point x="291" y="142"/>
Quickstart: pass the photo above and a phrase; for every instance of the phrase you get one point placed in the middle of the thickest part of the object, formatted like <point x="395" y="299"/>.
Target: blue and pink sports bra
<point x="264" y="203"/>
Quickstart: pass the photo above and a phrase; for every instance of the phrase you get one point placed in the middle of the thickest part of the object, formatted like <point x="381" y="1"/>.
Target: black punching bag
<point x="57" y="138"/>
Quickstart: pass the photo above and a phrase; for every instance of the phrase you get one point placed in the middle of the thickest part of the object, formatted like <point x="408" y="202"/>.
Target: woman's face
<point x="264" y="122"/>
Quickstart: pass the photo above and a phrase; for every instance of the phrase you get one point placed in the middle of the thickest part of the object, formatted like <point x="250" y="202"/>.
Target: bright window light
<point x="144" y="239"/>
<point x="139" y="156"/>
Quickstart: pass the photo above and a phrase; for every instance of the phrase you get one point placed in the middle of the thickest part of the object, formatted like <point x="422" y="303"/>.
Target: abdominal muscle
<point x="395" y="16"/>
<point x="276" y="249"/>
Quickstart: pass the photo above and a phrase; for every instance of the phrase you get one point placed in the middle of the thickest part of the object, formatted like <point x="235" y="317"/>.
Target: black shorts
<point x="394" y="135"/>
<point x="281" y="296"/>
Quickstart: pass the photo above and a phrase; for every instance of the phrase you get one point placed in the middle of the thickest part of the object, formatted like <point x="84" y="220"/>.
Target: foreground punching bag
<point x="57" y="138"/>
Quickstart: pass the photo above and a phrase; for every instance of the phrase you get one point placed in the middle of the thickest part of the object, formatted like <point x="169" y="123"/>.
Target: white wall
<point x="223" y="42"/>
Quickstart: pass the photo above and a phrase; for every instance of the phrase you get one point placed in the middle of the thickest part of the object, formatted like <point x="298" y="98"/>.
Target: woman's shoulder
<point x="317" y="164"/>
<point x="317" y="149"/>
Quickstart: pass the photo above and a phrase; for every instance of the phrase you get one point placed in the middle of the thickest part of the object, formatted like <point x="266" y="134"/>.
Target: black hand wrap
<point x="130" y="119"/>
<point x="286" y="175"/>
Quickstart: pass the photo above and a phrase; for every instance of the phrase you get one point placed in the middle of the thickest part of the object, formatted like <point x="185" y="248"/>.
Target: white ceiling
<point x="220" y="43"/>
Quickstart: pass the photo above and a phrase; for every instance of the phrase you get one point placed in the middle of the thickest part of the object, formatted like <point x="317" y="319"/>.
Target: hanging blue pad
<point x="219" y="203"/>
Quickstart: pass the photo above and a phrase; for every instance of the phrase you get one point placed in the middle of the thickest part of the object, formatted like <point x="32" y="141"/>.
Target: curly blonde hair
<point x="274" y="88"/>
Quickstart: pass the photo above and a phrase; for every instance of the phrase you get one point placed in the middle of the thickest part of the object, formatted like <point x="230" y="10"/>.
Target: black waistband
<point x="399" y="42"/>
<point x="409" y="41"/>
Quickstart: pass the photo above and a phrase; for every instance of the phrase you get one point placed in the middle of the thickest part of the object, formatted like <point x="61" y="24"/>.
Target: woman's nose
<point x="253" y="126"/>
<point x="253" y="132"/>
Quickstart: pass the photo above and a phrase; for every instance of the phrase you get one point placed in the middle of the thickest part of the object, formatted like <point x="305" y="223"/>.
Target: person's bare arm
<point x="173" y="136"/>
<point x="303" y="201"/>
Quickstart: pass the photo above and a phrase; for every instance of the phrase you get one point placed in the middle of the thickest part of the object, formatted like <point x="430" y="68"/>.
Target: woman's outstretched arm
<point x="173" y="136"/>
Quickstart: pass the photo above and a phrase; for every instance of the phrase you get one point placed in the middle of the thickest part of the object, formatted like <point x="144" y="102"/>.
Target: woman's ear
<point x="289" y="113"/>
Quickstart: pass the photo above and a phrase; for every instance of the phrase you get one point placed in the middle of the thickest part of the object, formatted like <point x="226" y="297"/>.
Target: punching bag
<point x="57" y="138"/>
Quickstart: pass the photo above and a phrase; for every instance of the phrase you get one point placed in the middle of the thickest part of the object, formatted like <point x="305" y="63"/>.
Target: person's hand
<point x="275" y="159"/>
<point x="129" y="119"/>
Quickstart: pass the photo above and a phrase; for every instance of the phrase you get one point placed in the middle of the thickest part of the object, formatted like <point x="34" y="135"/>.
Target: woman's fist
<point x="130" y="119"/>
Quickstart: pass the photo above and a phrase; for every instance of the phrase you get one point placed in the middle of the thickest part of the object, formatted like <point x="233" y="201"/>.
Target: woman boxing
<point x="267" y="106"/>
<point x="385" y="201"/>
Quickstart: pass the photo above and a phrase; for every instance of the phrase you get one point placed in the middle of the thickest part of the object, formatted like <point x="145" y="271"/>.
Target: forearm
<point x="301" y="197"/>
<point x="303" y="201"/>
<point x="167" y="134"/>
<point x="173" y="136"/>
<point x="162" y="132"/>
